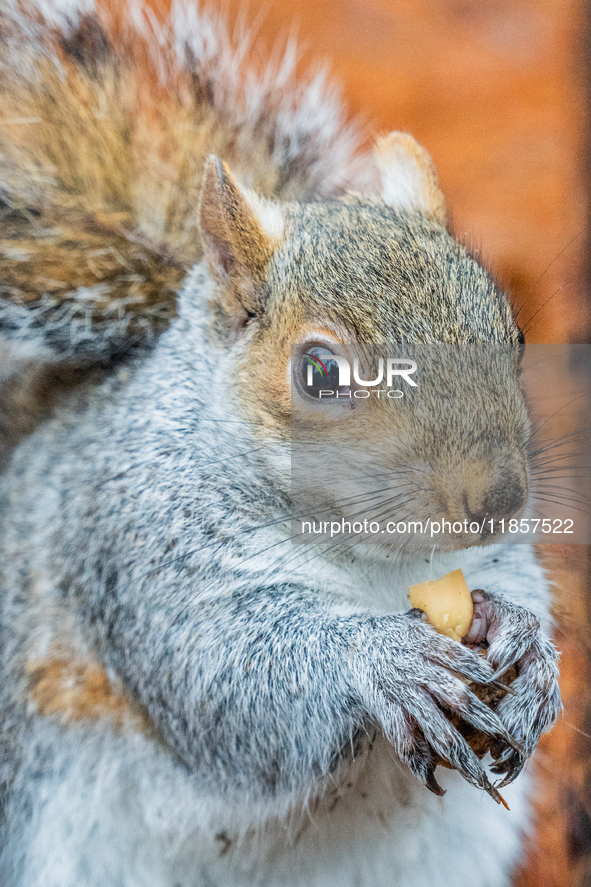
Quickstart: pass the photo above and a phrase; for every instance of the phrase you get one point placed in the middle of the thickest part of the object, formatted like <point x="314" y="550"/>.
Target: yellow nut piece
<point x="447" y="603"/>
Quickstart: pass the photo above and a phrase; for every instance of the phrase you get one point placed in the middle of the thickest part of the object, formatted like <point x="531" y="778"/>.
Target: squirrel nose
<point x="501" y="501"/>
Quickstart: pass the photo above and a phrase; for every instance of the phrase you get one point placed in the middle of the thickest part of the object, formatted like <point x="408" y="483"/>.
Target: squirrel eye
<point x="319" y="371"/>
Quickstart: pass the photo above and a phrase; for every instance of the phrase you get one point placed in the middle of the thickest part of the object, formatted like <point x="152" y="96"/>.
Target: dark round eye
<point x="318" y="374"/>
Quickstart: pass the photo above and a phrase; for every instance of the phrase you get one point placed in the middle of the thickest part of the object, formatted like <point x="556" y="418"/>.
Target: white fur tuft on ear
<point x="409" y="180"/>
<point x="268" y="214"/>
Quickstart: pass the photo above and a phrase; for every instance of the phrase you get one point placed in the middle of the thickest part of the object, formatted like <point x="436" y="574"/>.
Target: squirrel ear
<point x="409" y="180"/>
<point x="239" y="231"/>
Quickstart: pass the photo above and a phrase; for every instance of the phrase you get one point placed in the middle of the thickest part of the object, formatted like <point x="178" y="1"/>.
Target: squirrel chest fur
<point x="187" y="699"/>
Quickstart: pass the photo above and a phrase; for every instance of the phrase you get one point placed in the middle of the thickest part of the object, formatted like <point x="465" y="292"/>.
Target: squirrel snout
<point x="485" y="492"/>
<point x="504" y="498"/>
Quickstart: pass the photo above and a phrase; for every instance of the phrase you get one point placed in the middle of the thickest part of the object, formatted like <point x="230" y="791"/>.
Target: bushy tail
<point x="106" y="116"/>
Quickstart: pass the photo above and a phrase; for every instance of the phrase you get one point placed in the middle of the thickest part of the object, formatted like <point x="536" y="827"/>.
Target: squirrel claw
<point x="492" y="791"/>
<point x="509" y="764"/>
<point x="433" y="785"/>
<point x="496" y="678"/>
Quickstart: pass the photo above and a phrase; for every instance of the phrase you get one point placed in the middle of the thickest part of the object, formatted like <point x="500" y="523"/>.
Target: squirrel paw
<point x="515" y="637"/>
<point x="409" y="678"/>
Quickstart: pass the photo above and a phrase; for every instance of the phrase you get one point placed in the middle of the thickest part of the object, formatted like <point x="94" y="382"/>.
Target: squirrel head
<point x="360" y="271"/>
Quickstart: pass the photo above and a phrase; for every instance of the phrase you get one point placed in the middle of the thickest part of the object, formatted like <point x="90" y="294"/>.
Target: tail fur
<point x="106" y="116"/>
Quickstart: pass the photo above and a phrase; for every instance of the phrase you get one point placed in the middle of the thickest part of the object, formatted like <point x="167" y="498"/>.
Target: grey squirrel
<point x="186" y="699"/>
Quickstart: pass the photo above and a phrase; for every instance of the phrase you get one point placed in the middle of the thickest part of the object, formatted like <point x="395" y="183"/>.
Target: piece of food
<point x="447" y="603"/>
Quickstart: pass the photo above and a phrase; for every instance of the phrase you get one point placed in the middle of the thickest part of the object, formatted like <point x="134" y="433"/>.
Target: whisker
<point x="235" y="456"/>
<point x="547" y="268"/>
<point x="554" y="501"/>
<point x="538" y="425"/>
<point x="529" y="324"/>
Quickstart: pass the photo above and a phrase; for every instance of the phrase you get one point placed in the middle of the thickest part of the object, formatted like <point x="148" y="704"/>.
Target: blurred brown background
<point x="497" y="92"/>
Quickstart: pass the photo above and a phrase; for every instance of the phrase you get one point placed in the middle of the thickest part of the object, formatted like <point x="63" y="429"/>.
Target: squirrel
<point x="186" y="698"/>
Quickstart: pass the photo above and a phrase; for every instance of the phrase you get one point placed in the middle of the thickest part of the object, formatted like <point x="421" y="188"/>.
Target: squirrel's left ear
<point x="239" y="231"/>
<point x="409" y="180"/>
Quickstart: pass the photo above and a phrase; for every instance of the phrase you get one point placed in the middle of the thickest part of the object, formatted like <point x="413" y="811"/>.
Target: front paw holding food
<point x="412" y="681"/>
<point x="514" y="640"/>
